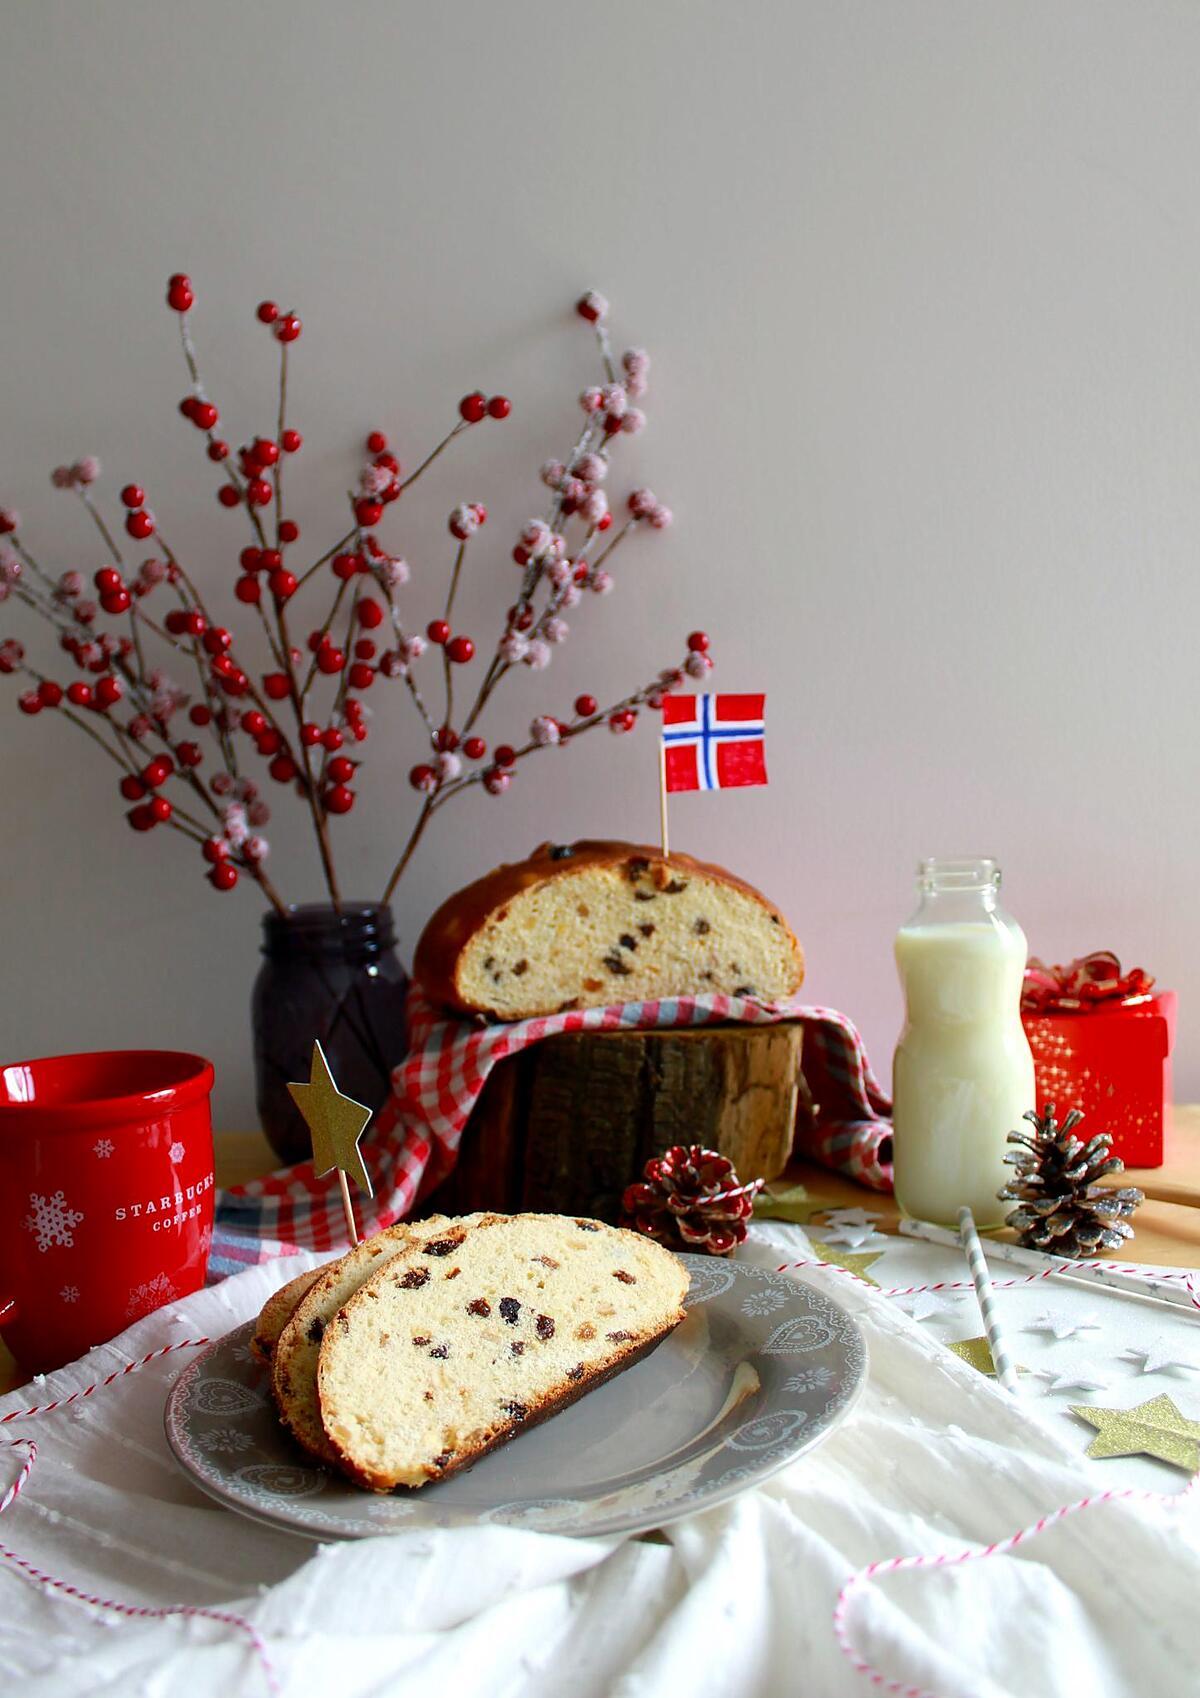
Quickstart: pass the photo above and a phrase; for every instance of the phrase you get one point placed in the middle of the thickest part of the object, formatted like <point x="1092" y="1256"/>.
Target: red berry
<point x="288" y="327"/>
<point x="698" y="642"/>
<point x="223" y="876"/>
<point x="264" y="452"/>
<point x="474" y="748"/>
<point x="258" y="492"/>
<point x="109" y="691"/>
<point x="341" y="769"/>
<point x="179" y="292"/>
<point x="359" y="732"/>
<point x="282" y="769"/>
<point x="389" y="462"/>
<point x="161" y="809"/>
<point x="289" y="531"/>
<point x="330" y="659"/>
<point x="29" y="702"/>
<point x="217" y="639"/>
<point x="367" y="511"/>
<point x="133" y="495"/>
<point x="108" y="579"/>
<point x="189" y="754"/>
<point x="585" y="706"/>
<point x="141" y="818"/>
<point x="460" y="650"/>
<point x="345" y="566"/>
<point x="214" y="849"/>
<point x="267" y="312"/>
<point x="132" y="788"/>
<point x="365" y="649"/>
<point x="276" y="686"/>
<point x="473" y="407"/>
<point x="248" y="589"/>
<point x="521" y="555"/>
<point x="254" y="723"/>
<point x="499" y="407"/>
<point x="139" y="525"/>
<point x="158" y="771"/>
<point x="291" y="441"/>
<point x="339" y="799"/>
<point x="205" y="416"/>
<point x="188" y="406"/>
<point x="587" y="309"/>
<point x="218" y="450"/>
<point x="269" y="741"/>
<point x="496" y="783"/>
<point x="623" y="721"/>
<point x="445" y="740"/>
<point x="331" y="738"/>
<point x="49" y="693"/>
<point x="505" y="754"/>
<point x="437" y="630"/>
<point x="604" y="523"/>
<point x="228" y="496"/>
<point x="310" y="734"/>
<point x="422" y="778"/>
<point x="376" y="442"/>
<point x="361" y="676"/>
<point x="282" y="584"/>
<point x="117" y="602"/>
<point x="369" y="614"/>
<point x="199" y="714"/>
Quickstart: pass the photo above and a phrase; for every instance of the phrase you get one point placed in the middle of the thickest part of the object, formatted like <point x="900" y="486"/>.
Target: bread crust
<point x="278" y="1310"/>
<point x="435" y="964"/>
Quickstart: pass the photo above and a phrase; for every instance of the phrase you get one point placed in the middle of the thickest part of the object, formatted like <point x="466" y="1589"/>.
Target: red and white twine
<point x="146" y="1612"/>
<point x="863" y="1577"/>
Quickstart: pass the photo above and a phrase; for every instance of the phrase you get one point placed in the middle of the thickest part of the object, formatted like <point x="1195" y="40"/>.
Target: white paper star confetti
<point x="852" y="1217"/>
<point x="854" y="1237"/>
<point x="1056" y="1381"/>
<point x="1059" y="1325"/>
<point x="1158" y="1354"/>
<point x="923" y="1305"/>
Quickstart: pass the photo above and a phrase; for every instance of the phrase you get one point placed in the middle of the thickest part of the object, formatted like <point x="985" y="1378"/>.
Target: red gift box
<point x="1101" y="1043"/>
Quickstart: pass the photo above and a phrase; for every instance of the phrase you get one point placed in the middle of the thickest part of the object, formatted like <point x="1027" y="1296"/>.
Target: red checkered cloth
<point x="413" y="1142"/>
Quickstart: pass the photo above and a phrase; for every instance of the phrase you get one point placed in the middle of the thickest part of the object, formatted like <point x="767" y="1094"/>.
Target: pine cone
<point x="1061" y="1207"/>
<point x="690" y="1200"/>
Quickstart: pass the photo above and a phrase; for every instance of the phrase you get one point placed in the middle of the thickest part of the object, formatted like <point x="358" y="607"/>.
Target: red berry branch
<point x="233" y="701"/>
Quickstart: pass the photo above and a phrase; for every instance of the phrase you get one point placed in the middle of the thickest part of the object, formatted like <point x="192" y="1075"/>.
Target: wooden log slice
<point x="567" y="1124"/>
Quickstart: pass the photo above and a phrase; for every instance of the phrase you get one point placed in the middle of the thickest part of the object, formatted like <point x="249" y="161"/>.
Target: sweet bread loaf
<point x="479" y="1327"/>
<point x="586" y="924"/>
<point x="277" y="1311"/>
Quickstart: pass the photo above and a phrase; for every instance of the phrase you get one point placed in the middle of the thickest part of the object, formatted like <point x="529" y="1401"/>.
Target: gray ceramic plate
<point x="760" y="1371"/>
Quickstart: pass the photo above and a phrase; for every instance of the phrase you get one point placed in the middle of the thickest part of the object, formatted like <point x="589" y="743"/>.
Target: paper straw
<point x="1121" y="1281"/>
<point x="1005" y="1372"/>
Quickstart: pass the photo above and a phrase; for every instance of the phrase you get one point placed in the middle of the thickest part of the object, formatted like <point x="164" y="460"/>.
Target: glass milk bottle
<point x="963" y="1073"/>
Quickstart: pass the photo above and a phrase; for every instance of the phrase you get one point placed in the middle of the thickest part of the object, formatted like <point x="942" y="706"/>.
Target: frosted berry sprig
<point x="289" y="692"/>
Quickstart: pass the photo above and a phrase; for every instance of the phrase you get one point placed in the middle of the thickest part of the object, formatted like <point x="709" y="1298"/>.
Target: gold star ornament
<point x="1155" y="1428"/>
<point x="336" y="1122"/>
<point x="855" y="1262"/>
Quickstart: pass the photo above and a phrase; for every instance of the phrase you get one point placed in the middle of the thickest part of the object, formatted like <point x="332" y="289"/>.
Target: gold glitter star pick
<point x="336" y="1123"/>
<point x="1155" y="1428"/>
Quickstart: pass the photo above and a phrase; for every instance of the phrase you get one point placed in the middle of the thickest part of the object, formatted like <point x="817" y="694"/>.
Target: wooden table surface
<point x="1167" y="1233"/>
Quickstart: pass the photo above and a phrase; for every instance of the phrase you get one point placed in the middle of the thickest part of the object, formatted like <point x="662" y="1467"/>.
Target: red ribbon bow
<point x="1079" y="987"/>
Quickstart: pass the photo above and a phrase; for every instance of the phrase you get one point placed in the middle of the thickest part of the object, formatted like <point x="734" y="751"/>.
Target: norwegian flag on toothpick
<point x="713" y="742"/>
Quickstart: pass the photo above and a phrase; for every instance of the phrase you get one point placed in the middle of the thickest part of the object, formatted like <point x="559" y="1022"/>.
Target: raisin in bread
<point x="481" y="1327"/>
<point x="277" y="1311"/>
<point x="588" y="924"/>
<point x="294" y="1361"/>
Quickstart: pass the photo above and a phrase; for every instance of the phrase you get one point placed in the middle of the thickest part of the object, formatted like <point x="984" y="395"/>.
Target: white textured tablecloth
<point x="738" y="1600"/>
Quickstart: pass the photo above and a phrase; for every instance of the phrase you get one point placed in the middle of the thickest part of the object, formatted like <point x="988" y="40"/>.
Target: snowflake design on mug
<point x="52" y="1221"/>
<point x="69" y="1294"/>
<point x="103" y="1147"/>
<point x="175" y="1153"/>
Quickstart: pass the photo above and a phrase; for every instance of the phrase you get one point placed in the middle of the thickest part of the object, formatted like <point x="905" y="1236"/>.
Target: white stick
<point x="351" y="1223"/>
<point x="662" y="799"/>
<point x="1005" y="1372"/>
<point x="1139" y="1288"/>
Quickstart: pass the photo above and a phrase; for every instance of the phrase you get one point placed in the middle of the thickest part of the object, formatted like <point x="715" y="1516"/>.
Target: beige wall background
<point x="921" y="282"/>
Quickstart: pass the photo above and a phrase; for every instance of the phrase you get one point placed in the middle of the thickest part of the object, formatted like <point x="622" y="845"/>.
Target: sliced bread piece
<point x="278" y="1310"/>
<point x="582" y="925"/>
<point x="294" y="1362"/>
<point x="472" y="1333"/>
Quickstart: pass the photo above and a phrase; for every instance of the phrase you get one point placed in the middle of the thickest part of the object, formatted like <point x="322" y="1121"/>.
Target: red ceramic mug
<point x="106" y="1195"/>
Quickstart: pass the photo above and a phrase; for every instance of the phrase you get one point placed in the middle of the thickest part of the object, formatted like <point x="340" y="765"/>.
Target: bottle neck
<point x="360" y="932"/>
<point x="957" y="892"/>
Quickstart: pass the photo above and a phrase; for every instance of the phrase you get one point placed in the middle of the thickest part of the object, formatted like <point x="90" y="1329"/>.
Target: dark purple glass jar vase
<point x="333" y="976"/>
